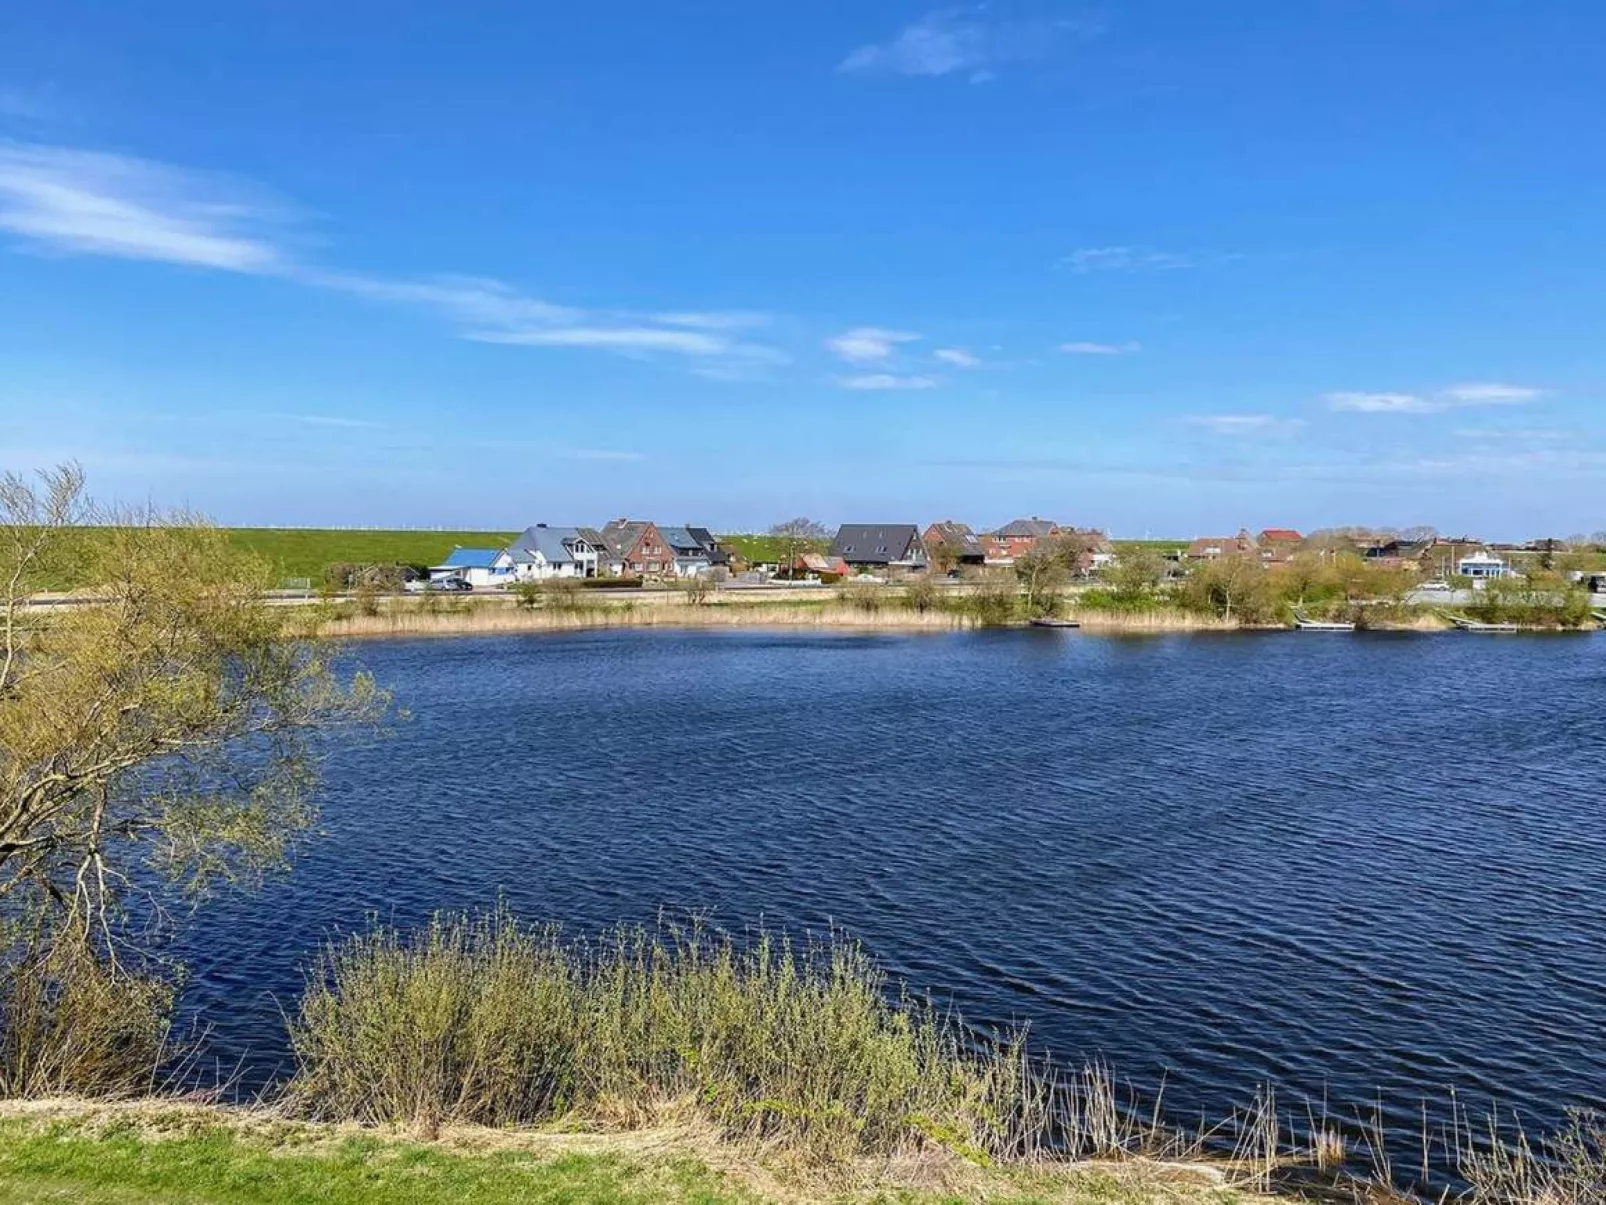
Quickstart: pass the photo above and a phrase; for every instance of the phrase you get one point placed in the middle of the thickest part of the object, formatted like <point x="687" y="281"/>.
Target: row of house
<point x="622" y="548"/>
<point x="871" y="547"/>
<point x="1433" y="556"/>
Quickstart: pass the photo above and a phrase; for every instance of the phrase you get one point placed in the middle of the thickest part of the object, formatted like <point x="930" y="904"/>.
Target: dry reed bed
<point x="498" y="617"/>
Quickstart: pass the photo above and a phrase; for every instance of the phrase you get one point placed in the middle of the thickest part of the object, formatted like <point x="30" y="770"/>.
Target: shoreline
<point x="499" y="616"/>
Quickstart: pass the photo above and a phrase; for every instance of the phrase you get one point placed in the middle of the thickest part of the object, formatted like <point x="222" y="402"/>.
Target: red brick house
<point x="1279" y="544"/>
<point x="636" y="548"/>
<point x="1018" y="538"/>
<point x="1214" y="548"/>
<point x="960" y="543"/>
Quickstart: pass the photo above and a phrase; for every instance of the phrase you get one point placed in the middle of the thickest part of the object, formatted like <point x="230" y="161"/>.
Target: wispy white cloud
<point x="1083" y="348"/>
<point x="715" y="320"/>
<point x="867" y="344"/>
<point x="617" y="338"/>
<point x="888" y="380"/>
<point x="92" y="203"/>
<point x="1434" y="402"/>
<point x="1491" y="393"/>
<point x="1132" y="259"/>
<point x="472" y="301"/>
<point x="1242" y="425"/>
<point x="1381" y="403"/>
<point x="964" y="40"/>
<point x="957" y="356"/>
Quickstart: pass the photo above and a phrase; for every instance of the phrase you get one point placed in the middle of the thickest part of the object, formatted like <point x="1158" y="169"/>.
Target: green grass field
<point x="759" y="549"/>
<point x="304" y="552"/>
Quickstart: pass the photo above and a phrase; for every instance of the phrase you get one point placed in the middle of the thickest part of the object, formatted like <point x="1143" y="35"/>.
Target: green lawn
<point x="304" y="552"/>
<point x="122" y="1165"/>
<point x="145" y="1153"/>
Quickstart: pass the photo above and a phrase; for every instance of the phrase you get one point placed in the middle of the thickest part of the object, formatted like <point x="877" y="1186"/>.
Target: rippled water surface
<point x="1349" y="865"/>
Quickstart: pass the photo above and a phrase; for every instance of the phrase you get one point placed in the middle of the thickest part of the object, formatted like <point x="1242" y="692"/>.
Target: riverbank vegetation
<point x="162" y="745"/>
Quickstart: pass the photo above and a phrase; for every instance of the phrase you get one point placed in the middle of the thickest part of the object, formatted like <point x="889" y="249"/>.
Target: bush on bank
<point x="485" y="1020"/>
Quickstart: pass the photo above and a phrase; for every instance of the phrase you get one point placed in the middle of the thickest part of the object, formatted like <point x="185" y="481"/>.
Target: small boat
<point x="1048" y="621"/>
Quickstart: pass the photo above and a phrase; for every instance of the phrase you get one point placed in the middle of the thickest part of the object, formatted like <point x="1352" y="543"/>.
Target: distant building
<point x="692" y="551"/>
<point x="958" y="540"/>
<point x="1214" y="548"/>
<point x="880" y="546"/>
<point x="541" y="553"/>
<point x="819" y="564"/>
<point x="636" y="548"/>
<point x="481" y="568"/>
<point x="1482" y="566"/>
<point x="1277" y="545"/>
<point x="1018" y="538"/>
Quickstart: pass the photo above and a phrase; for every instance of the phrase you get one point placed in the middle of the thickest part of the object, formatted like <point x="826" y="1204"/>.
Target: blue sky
<point x="1155" y="265"/>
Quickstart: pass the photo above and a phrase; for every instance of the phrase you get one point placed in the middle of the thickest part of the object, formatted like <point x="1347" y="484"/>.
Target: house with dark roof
<point x="540" y="553"/>
<point x="693" y="550"/>
<point x="481" y="568"/>
<point x="880" y="546"/>
<point x="635" y="548"/>
<point x="1018" y="538"/>
<point x="960" y="544"/>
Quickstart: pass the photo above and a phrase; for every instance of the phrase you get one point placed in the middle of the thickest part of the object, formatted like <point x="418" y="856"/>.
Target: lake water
<point x="1351" y="865"/>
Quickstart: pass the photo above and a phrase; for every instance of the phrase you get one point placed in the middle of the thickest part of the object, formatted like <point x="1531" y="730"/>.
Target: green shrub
<point x="1532" y="603"/>
<point x="864" y="597"/>
<point x="994" y="600"/>
<point x="921" y="595"/>
<point x="489" y="1021"/>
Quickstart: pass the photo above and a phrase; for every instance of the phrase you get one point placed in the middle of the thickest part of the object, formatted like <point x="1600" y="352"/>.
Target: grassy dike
<point x="133" y="1153"/>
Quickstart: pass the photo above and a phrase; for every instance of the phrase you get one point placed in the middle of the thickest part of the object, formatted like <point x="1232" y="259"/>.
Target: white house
<point x="541" y="553"/>
<point x="1482" y="565"/>
<point x="481" y="568"/>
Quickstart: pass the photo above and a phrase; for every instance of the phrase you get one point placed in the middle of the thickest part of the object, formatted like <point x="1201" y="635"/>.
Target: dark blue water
<point x="1351" y="866"/>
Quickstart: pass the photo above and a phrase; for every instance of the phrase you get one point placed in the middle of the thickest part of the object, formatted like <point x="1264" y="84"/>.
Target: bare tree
<point x="1041" y="573"/>
<point x="160" y="736"/>
<point x="798" y="533"/>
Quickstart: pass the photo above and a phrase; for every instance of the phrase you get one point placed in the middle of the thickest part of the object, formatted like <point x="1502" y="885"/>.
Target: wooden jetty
<point x="1464" y="624"/>
<point x="1305" y="624"/>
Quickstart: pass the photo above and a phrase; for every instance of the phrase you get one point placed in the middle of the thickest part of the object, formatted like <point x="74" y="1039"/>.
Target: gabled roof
<point x="621" y="535"/>
<point x="471" y="558"/>
<point x="716" y="554"/>
<point x="682" y="542"/>
<point x="958" y="536"/>
<point x="875" y="543"/>
<point x="553" y="543"/>
<point x="1281" y="535"/>
<point x="1029" y="528"/>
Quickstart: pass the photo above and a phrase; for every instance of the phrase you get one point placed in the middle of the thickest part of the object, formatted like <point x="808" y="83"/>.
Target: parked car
<point x="452" y="584"/>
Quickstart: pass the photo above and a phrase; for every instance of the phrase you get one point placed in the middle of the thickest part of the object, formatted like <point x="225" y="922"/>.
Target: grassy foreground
<point x="142" y="1152"/>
